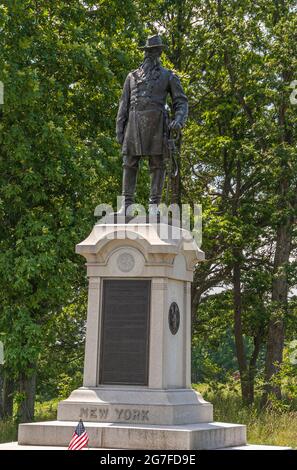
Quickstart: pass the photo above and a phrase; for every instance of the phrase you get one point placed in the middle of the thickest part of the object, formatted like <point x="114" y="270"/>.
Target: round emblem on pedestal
<point x="174" y="318"/>
<point x="125" y="262"/>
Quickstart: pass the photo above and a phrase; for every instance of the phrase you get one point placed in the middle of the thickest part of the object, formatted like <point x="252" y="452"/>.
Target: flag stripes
<point x="79" y="438"/>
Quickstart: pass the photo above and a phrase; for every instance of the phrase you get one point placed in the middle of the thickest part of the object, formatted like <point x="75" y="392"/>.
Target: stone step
<point x="120" y="436"/>
<point x="16" y="446"/>
<point x="257" y="447"/>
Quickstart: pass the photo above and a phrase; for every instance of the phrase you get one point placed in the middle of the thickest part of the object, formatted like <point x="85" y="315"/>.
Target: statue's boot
<point x="128" y="189"/>
<point x="157" y="183"/>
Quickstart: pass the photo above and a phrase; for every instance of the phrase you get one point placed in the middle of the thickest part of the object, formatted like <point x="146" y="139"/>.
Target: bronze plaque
<point x="174" y="318"/>
<point x="125" y="332"/>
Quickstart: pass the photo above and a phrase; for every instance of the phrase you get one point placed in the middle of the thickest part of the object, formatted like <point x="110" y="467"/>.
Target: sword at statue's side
<point x="171" y="161"/>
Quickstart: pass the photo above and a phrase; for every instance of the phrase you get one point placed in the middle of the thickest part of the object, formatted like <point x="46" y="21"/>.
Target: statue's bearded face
<point x="153" y="52"/>
<point x="152" y="55"/>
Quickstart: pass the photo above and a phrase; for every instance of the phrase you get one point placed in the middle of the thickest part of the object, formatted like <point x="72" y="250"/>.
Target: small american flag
<point x="80" y="437"/>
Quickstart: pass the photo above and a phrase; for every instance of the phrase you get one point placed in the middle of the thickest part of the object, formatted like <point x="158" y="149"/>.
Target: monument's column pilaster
<point x="91" y="363"/>
<point x="159" y="301"/>
<point x="187" y="333"/>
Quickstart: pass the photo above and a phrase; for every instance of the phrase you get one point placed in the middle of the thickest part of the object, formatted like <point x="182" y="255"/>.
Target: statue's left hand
<point x="176" y="125"/>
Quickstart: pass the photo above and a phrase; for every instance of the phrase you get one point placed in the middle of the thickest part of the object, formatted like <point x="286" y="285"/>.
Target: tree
<point x="62" y="65"/>
<point x="231" y="162"/>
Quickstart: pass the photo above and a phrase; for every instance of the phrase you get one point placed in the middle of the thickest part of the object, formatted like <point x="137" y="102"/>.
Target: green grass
<point x="8" y="431"/>
<point x="270" y="427"/>
<point x="46" y="411"/>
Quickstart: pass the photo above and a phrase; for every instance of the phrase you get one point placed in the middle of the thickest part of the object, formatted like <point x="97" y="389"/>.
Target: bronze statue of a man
<point x="142" y="126"/>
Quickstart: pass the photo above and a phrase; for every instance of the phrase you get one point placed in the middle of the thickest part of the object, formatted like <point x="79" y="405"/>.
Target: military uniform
<point x="141" y="120"/>
<point x="142" y="124"/>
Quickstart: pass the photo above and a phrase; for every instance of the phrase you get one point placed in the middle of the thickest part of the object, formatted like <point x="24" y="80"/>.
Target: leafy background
<point x="63" y="65"/>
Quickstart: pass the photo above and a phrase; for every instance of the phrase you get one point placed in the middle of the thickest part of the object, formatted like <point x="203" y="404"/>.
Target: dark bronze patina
<point x="174" y="318"/>
<point x="143" y="122"/>
<point x="125" y="332"/>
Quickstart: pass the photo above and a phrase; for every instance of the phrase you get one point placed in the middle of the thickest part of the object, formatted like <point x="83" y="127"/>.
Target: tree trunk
<point x="7" y="396"/>
<point x="279" y="290"/>
<point x="253" y="363"/>
<point x="1" y="391"/>
<point x="239" y="343"/>
<point x="279" y="295"/>
<point x="27" y="387"/>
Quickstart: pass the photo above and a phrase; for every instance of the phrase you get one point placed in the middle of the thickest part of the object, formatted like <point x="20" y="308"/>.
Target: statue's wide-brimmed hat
<point x="153" y="41"/>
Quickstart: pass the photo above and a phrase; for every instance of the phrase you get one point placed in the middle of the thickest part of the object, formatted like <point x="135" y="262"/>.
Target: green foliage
<point x="8" y="431"/>
<point x="65" y="336"/>
<point x="213" y="359"/>
<point x="286" y="379"/>
<point x="264" y="427"/>
<point x="46" y="411"/>
<point x="238" y="152"/>
<point x="63" y="65"/>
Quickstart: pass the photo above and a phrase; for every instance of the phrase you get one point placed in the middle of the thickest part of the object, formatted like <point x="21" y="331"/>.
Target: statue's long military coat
<point x="141" y="121"/>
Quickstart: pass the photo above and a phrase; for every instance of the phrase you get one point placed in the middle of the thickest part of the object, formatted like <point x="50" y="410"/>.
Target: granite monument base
<point x="135" y="406"/>
<point x="138" y="436"/>
<point x="136" y="390"/>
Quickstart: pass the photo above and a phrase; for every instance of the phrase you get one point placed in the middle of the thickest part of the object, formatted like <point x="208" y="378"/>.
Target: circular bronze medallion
<point x="125" y="262"/>
<point x="174" y="318"/>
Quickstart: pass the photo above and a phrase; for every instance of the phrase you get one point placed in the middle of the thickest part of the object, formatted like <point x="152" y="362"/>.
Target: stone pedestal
<point x="137" y="372"/>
